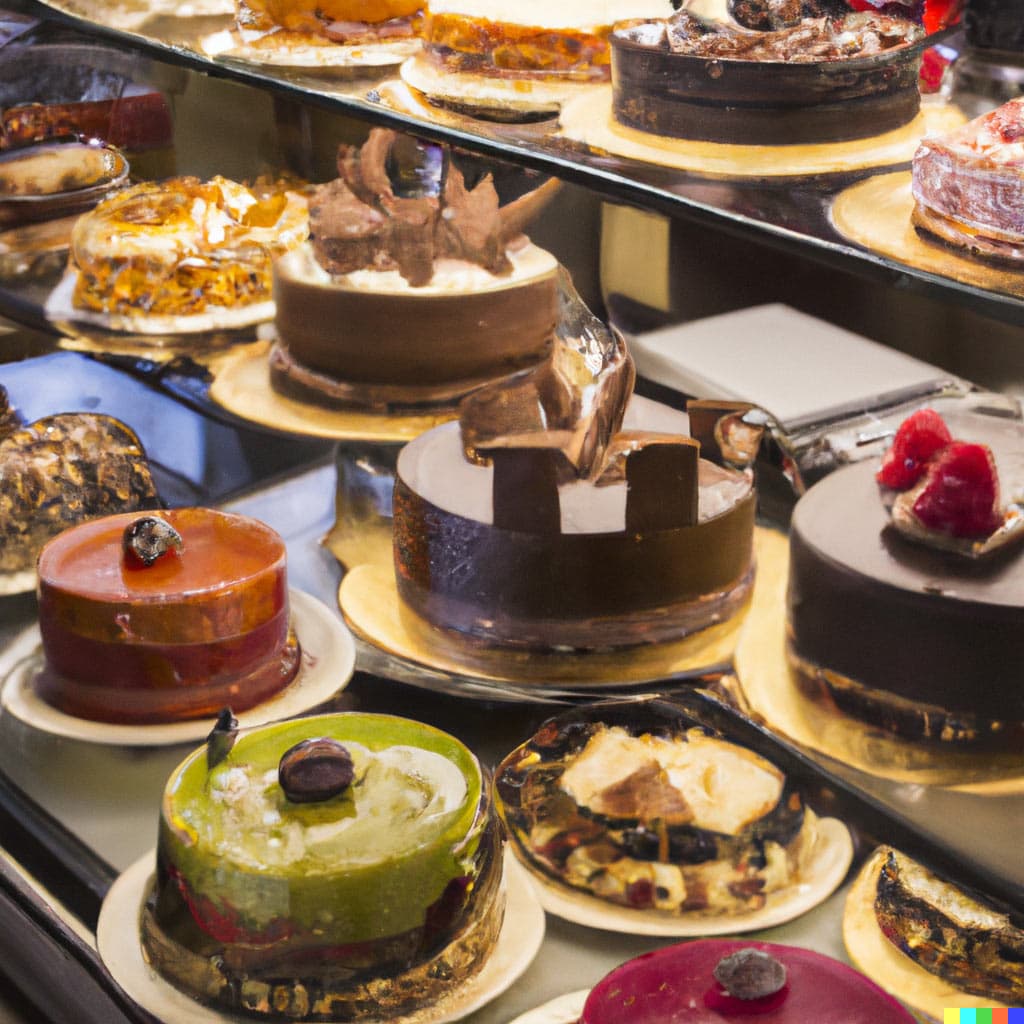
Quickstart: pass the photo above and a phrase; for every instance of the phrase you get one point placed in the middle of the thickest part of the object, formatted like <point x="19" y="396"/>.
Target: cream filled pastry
<point x="413" y="288"/>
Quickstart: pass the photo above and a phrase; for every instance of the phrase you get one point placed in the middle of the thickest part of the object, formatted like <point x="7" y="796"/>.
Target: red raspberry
<point x="919" y="437"/>
<point x="961" y="492"/>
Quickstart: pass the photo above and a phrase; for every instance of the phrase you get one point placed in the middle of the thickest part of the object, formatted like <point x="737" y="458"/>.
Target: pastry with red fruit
<point x="918" y="438"/>
<point x="715" y="980"/>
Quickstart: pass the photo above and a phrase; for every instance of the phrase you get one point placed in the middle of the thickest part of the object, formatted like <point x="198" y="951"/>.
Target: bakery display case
<point x="657" y="773"/>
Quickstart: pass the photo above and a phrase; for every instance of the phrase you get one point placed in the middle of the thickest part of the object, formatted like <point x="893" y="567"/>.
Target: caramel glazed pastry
<point x="645" y="808"/>
<point x="62" y="470"/>
<point x="950" y="933"/>
<point x="350" y="22"/>
<point x="414" y="288"/>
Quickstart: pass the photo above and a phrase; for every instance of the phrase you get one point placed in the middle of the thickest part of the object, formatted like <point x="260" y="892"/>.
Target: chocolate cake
<point x="914" y="640"/>
<point x="163" y="618"/>
<point x="821" y="79"/>
<point x="968" y="186"/>
<point x="537" y="521"/>
<point x="337" y="868"/>
<point x="636" y="804"/>
<point x="712" y="980"/>
<point x="414" y="288"/>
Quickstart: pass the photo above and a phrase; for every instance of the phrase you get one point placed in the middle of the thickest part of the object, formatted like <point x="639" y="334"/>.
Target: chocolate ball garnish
<point x="148" y="538"/>
<point x="750" y="974"/>
<point x="315" y="770"/>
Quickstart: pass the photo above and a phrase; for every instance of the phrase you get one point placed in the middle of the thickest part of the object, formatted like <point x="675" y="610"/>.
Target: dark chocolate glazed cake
<point x="917" y="641"/>
<point x="820" y="79"/>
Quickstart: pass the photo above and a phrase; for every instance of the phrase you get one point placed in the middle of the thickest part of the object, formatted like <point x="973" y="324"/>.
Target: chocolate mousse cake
<point x="712" y="980"/>
<point x="63" y="470"/>
<point x="414" y="288"/>
<point x="183" y="247"/>
<point x="164" y="617"/>
<point x="544" y="519"/>
<point x="639" y="805"/>
<point x="335" y="868"/>
<point x="968" y="186"/>
<point x="815" y="80"/>
<point x="914" y="628"/>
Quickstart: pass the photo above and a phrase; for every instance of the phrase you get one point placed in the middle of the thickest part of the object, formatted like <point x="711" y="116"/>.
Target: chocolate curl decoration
<point x="725" y="431"/>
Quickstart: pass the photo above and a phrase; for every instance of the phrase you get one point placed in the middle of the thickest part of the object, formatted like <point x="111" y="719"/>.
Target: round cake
<point x="204" y="626"/>
<point x="818" y="80"/>
<point x="639" y="805"/>
<point x="912" y="639"/>
<point x="682" y="984"/>
<point x="338" y="867"/>
<point x="406" y="299"/>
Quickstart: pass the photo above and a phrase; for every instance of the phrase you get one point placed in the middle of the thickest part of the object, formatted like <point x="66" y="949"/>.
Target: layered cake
<point x="413" y="288"/>
<point x="640" y="806"/>
<point x="712" y="980"/>
<point x="544" y="519"/>
<point x="912" y="620"/>
<point x="968" y="186"/>
<point x="63" y="470"/>
<point x="814" y="80"/>
<point x="164" y="617"/>
<point x="340" y="867"/>
<point x="184" y="247"/>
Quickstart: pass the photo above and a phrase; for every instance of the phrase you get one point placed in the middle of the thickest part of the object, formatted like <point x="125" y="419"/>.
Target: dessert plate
<point x="117" y="937"/>
<point x="12" y="583"/>
<point x="251" y="47"/>
<point x="369" y="600"/>
<point x="771" y="695"/>
<point x="829" y="861"/>
<point x="587" y="119"/>
<point x="328" y="659"/>
<point x="560" y="1010"/>
<point x="241" y="385"/>
<point x="875" y="213"/>
<point x="871" y="952"/>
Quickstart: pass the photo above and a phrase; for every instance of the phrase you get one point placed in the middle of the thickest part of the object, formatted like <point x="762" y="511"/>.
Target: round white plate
<point x="328" y="659"/>
<point x="12" y="583"/>
<point x="561" y="1010"/>
<point x="825" y="870"/>
<point x="117" y="938"/>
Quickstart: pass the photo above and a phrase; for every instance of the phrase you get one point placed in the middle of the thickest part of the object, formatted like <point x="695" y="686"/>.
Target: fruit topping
<point x="919" y="437"/>
<point x="147" y="539"/>
<point x="315" y="770"/>
<point x="960" y="496"/>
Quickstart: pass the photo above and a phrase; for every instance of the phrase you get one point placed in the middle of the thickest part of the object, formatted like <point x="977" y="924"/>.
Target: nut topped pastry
<point x="339" y="867"/>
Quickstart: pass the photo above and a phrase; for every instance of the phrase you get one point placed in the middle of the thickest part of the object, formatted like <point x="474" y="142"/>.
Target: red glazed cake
<point x="681" y="984"/>
<point x="205" y="626"/>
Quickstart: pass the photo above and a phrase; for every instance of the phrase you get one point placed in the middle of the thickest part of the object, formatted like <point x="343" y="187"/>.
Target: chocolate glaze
<point x="761" y="98"/>
<point x="895" y="616"/>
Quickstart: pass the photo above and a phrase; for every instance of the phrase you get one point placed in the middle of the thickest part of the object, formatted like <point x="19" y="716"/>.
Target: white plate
<point x="826" y="868"/>
<point x="117" y="938"/>
<point x="561" y="1010"/>
<point x="12" y="583"/>
<point x="328" y="659"/>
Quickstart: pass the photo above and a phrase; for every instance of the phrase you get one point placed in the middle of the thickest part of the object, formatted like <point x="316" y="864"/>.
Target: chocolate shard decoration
<point x="573" y="402"/>
<point x="401" y="204"/>
<point x="525" y="489"/>
<point x="726" y="433"/>
<point x="661" y="479"/>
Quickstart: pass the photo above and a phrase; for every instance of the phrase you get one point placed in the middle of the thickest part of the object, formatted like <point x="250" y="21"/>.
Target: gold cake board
<point x="876" y="214"/>
<point x="241" y="385"/>
<point x="587" y="119"/>
<point x="873" y="954"/>
<point x="770" y="693"/>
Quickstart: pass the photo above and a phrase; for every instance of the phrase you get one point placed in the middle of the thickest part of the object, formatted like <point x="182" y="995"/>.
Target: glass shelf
<point x="788" y="213"/>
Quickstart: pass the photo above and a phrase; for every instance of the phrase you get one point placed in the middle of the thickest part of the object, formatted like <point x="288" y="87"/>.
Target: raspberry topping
<point x="919" y="437"/>
<point x="960" y="496"/>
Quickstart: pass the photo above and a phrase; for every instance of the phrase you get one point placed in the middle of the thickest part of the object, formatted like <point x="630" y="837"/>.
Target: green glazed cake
<point x="337" y="867"/>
